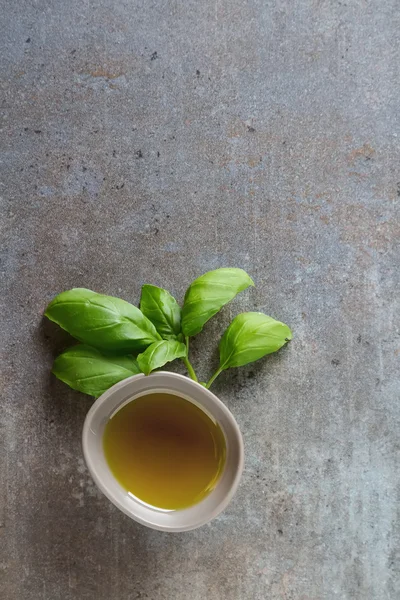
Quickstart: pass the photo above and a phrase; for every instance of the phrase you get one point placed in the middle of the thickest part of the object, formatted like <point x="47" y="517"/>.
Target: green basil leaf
<point x="162" y="309"/>
<point x="89" y="371"/>
<point x="208" y="294"/>
<point x="159" y="353"/>
<point x="102" y="321"/>
<point x="251" y="336"/>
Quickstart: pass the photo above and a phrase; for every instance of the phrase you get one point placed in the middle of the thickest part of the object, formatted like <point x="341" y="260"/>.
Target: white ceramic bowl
<point x="139" y="385"/>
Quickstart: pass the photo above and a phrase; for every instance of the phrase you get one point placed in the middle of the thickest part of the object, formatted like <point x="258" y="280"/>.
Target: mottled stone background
<point x="150" y="141"/>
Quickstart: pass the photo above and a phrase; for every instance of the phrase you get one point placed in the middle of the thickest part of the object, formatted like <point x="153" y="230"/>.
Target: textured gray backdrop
<point x="151" y="141"/>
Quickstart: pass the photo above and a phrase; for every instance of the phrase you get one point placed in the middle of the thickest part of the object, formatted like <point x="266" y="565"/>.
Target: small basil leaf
<point x="208" y="294"/>
<point x="102" y="321"/>
<point x="159" y="353"/>
<point x="249" y="337"/>
<point x="162" y="309"/>
<point x="89" y="371"/>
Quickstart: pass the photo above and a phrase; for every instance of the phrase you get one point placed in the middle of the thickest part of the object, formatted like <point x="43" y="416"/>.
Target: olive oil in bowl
<point x="165" y="450"/>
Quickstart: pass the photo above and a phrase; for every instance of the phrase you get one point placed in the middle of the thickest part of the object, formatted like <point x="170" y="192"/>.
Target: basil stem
<point x="187" y="362"/>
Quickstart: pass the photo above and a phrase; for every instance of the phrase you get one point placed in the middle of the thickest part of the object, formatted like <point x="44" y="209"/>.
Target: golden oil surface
<point x="165" y="450"/>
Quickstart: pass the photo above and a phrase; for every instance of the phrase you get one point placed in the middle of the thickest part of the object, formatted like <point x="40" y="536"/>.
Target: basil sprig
<point x="112" y="331"/>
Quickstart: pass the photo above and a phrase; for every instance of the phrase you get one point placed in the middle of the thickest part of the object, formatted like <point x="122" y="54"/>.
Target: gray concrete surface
<point x="151" y="141"/>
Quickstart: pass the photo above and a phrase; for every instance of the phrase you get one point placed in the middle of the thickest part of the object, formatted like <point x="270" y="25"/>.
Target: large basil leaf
<point x="249" y="337"/>
<point x="102" y="321"/>
<point x="87" y="370"/>
<point x="208" y="294"/>
<point x="162" y="309"/>
<point x="159" y="353"/>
